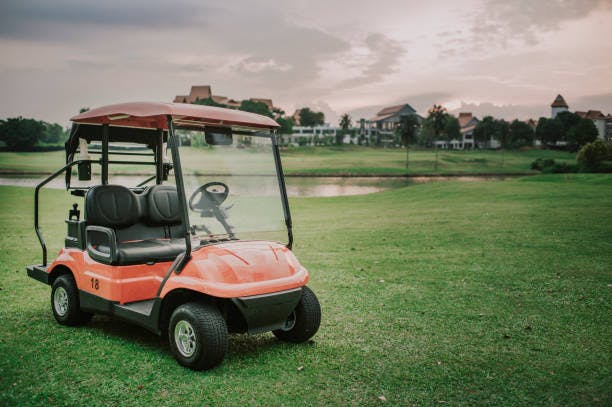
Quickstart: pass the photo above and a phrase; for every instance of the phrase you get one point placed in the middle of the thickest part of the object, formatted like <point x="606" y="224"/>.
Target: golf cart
<point x="189" y="235"/>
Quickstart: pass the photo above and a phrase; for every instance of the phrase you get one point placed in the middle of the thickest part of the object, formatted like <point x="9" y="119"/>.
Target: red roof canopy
<point x="153" y="115"/>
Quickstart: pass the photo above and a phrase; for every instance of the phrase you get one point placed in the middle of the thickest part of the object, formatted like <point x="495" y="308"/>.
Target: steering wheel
<point x="211" y="195"/>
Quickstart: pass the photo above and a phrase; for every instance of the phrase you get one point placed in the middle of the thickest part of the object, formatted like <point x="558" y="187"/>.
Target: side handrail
<point x="38" y="187"/>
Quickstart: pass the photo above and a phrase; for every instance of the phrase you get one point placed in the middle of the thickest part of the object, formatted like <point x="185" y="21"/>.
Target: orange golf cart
<point x="184" y="229"/>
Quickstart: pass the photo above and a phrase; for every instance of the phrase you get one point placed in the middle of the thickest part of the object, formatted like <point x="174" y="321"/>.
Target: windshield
<point x="232" y="190"/>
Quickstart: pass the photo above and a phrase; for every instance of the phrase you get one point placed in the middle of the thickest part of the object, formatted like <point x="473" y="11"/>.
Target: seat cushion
<point x="145" y="251"/>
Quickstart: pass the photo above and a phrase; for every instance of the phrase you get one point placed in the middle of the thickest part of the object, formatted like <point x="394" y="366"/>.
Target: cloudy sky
<point x="508" y="58"/>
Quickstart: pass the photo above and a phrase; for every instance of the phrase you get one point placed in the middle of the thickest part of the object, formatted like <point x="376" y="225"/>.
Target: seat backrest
<point x="163" y="209"/>
<point x="154" y="214"/>
<point x="163" y="205"/>
<point x="113" y="206"/>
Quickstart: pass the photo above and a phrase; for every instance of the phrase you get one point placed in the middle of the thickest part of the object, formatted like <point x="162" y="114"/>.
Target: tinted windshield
<point x="232" y="190"/>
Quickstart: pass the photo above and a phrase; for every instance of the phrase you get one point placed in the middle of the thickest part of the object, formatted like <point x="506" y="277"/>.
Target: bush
<point x="593" y="156"/>
<point x="541" y="163"/>
<point x="548" y="166"/>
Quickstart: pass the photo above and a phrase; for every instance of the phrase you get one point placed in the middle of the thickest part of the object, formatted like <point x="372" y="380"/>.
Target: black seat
<point x="126" y="228"/>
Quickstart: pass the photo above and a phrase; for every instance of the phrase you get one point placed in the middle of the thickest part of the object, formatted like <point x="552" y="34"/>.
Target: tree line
<point x="23" y="134"/>
<point x="308" y="117"/>
<point x="569" y="128"/>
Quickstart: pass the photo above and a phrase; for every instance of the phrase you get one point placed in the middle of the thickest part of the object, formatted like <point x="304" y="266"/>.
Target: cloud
<point x="383" y="57"/>
<point x="502" y="21"/>
<point x="62" y="19"/>
<point x="506" y="111"/>
<point x="602" y="101"/>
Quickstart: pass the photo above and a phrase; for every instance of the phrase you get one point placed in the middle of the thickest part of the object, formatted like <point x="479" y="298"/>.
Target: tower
<point x="558" y="106"/>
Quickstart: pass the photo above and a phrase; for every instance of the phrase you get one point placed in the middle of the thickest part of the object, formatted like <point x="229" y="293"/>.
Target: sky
<point x="508" y="58"/>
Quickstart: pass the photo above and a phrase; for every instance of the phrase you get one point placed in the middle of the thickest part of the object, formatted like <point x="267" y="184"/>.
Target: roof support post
<point x="159" y="159"/>
<point x="104" y="158"/>
<point x="180" y="188"/>
<point x="283" y="189"/>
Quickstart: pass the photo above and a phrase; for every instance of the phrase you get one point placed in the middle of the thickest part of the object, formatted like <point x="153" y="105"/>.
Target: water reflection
<point x="296" y="186"/>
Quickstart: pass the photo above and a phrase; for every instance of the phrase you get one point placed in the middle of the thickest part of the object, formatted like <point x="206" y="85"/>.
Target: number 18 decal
<point x="95" y="283"/>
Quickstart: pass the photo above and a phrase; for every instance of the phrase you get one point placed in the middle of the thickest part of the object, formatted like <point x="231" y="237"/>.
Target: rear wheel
<point x="198" y="336"/>
<point x="304" y="321"/>
<point x="65" y="302"/>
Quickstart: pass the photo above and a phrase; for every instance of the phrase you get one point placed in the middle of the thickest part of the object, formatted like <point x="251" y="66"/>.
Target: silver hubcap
<point x="185" y="339"/>
<point x="60" y="301"/>
<point x="290" y="322"/>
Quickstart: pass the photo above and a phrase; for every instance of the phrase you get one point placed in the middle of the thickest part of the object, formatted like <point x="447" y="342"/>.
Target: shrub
<point x="592" y="156"/>
<point x="549" y="166"/>
<point x="542" y="163"/>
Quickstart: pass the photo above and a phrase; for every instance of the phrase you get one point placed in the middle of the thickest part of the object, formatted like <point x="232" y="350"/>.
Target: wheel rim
<point x="60" y="301"/>
<point x="290" y="322"/>
<point x="185" y="339"/>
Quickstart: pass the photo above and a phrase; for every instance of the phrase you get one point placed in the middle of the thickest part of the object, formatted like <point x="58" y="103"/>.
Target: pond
<point x="296" y="186"/>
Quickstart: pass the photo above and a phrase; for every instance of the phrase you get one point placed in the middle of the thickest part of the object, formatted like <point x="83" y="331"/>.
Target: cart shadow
<point x="239" y="344"/>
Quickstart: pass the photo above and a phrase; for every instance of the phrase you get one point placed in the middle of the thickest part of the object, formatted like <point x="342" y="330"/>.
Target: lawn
<point x="344" y="160"/>
<point x="490" y="293"/>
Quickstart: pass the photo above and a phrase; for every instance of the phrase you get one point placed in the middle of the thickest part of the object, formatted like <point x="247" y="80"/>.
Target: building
<point x="382" y="126"/>
<point x="197" y="93"/>
<point x="558" y="106"/>
<point x="204" y="92"/>
<point x="467" y="124"/>
<point x="599" y="120"/>
<point x="388" y="119"/>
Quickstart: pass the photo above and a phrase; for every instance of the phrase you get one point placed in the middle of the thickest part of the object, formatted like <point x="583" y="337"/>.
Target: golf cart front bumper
<point x="267" y="312"/>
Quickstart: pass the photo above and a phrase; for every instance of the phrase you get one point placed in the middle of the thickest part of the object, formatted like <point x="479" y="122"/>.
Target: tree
<point x="309" y="118"/>
<point x="549" y="131"/>
<point x="208" y="102"/>
<point x="567" y="120"/>
<point x="435" y="123"/>
<point x="502" y="133"/>
<point x="521" y="134"/>
<point x="583" y="132"/>
<point x="255" y="107"/>
<point x="345" y="124"/>
<point x="21" y="134"/>
<point x="592" y="155"/>
<point x="406" y="131"/>
<point x="485" y="129"/>
<point x="286" y="125"/>
<point x="53" y="133"/>
<point x="452" y="129"/>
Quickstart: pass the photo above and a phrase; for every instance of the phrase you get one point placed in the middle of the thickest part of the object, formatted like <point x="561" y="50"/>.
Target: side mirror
<point x="221" y="136"/>
<point x="84" y="170"/>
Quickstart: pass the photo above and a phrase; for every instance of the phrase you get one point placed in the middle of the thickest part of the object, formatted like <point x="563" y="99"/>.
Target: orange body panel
<point x="238" y="269"/>
<point x="227" y="270"/>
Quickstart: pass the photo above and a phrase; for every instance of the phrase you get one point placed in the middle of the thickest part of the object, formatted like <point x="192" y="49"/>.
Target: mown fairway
<point x="341" y="160"/>
<point x="494" y="293"/>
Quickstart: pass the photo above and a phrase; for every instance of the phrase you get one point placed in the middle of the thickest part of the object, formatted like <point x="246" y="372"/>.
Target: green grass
<point x="490" y="293"/>
<point x="344" y="160"/>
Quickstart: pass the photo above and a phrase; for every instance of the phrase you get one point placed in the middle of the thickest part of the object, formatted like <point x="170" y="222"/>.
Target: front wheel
<point x="198" y="336"/>
<point x="304" y="321"/>
<point x="65" y="302"/>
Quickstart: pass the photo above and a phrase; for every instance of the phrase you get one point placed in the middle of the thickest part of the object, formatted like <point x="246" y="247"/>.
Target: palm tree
<point x="345" y="124"/>
<point x="436" y="119"/>
<point x="407" y="132"/>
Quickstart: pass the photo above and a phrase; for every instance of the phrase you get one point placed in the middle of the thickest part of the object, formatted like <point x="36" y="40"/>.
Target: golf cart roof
<point x="153" y="115"/>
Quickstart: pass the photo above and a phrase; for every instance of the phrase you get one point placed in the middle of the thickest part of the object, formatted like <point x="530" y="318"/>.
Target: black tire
<point x="65" y="302"/>
<point x="307" y="316"/>
<point x="205" y="345"/>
